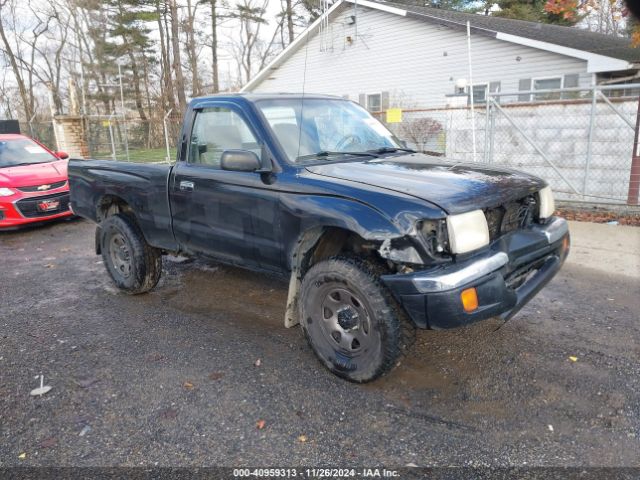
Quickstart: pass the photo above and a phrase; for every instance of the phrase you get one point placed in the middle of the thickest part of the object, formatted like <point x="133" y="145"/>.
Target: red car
<point x="33" y="182"/>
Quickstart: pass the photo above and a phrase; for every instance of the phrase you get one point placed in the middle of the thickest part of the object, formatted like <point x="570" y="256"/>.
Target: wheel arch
<point x="110" y="204"/>
<point x="317" y="227"/>
<point x="319" y="243"/>
<point x="106" y="206"/>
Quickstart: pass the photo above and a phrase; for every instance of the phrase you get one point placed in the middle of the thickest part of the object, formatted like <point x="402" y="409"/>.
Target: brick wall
<point x="71" y="135"/>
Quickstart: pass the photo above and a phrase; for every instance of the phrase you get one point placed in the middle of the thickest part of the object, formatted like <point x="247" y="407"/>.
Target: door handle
<point x="186" y="186"/>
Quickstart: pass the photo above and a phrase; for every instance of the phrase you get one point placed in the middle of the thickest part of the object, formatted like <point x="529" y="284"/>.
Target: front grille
<point x="29" y="207"/>
<point x="511" y="216"/>
<point x="42" y="187"/>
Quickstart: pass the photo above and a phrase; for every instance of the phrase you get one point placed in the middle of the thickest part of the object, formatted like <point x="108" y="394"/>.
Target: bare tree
<point x="45" y="45"/>
<point x="215" y="16"/>
<point x="288" y="13"/>
<point x="177" y="63"/>
<point x="25" y="86"/>
<point x="191" y="46"/>
<point x="420" y="131"/>
<point x="250" y="15"/>
<point x="167" y="95"/>
<point x="605" y="16"/>
<point x="48" y="41"/>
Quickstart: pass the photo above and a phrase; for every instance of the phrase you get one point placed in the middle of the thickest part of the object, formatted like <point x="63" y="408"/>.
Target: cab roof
<point x="252" y="97"/>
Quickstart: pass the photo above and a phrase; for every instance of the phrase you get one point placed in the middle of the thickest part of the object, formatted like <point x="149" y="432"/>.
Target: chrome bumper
<point x="451" y="277"/>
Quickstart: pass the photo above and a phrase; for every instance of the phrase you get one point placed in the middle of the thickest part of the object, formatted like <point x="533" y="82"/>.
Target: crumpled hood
<point x="36" y="174"/>
<point x="454" y="187"/>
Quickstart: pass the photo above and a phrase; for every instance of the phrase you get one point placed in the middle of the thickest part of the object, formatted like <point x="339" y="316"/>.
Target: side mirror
<point x="240" y="161"/>
<point x="62" y="155"/>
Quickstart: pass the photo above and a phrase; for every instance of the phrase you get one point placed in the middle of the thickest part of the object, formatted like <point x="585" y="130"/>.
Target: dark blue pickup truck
<point x="371" y="235"/>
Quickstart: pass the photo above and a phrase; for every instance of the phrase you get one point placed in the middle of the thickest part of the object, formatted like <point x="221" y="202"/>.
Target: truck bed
<point x="142" y="186"/>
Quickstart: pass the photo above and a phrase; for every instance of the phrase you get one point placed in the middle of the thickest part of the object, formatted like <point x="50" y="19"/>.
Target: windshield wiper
<point x="393" y="150"/>
<point x="326" y="153"/>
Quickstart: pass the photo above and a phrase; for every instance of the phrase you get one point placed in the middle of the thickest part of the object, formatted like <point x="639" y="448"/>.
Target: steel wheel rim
<point x="345" y="321"/>
<point x="120" y="254"/>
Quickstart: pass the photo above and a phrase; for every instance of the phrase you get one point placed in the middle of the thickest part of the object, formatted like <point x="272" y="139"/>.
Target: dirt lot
<point x="170" y="378"/>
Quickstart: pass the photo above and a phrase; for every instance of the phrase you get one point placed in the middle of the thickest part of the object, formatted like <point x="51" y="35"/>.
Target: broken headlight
<point x="434" y="233"/>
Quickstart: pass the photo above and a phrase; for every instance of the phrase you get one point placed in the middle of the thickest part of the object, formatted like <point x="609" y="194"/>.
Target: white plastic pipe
<point x="473" y="116"/>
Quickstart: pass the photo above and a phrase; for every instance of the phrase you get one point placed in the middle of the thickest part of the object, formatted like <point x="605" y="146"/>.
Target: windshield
<point x="22" y="151"/>
<point x="312" y="129"/>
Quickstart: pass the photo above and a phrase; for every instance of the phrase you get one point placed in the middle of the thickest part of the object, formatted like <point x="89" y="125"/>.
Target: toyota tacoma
<point x="371" y="236"/>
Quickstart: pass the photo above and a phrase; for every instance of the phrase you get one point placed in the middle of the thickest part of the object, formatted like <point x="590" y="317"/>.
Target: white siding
<point x="415" y="61"/>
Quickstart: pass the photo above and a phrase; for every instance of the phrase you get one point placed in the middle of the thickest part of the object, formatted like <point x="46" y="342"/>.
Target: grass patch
<point x="152" y="155"/>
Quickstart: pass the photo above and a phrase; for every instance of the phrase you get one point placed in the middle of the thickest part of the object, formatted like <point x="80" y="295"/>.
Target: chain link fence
<point x="133" y="140"/>
<point x="115" y="138"/>
<point x="41" y="130"/>
<point x="580" y="140"/>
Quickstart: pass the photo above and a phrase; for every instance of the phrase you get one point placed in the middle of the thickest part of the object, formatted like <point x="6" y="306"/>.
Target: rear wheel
<point x="132" y="263"/>
<point x="349" y="319"/>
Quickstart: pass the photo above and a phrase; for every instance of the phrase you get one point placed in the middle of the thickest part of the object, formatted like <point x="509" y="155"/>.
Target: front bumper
<point x="506" y="276"/>
<point x="21" y="209"/>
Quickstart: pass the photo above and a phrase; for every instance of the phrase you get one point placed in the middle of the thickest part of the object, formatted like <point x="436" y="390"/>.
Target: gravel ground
<point x="172" y="378"/>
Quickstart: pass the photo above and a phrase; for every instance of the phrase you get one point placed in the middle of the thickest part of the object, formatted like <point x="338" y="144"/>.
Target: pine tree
<point x="128" y="43"/>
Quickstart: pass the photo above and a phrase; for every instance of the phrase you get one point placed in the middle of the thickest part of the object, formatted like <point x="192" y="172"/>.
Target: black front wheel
<point x="349" y="319"/>
<point x="132" y="263"/>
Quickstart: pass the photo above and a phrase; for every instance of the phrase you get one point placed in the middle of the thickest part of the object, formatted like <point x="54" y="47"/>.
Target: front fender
<point x="303" y="213"/>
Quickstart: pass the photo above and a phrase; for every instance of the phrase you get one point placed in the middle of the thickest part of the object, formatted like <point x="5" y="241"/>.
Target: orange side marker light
<point x="469" y="299"/>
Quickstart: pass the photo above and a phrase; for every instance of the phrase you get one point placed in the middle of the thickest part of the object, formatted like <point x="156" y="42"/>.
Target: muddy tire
<point x="349" y="319"/>
<point x="132" y="263"/>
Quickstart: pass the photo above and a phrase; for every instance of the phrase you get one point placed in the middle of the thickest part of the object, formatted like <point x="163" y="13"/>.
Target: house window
<point x="547" y="84"/>
<point x="480" y="93"/>
<point x="374" y="102"/>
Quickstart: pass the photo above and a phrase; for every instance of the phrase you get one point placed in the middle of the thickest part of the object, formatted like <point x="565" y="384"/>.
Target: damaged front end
<point x="427" y="244"/>
<point x="500" y="277"/>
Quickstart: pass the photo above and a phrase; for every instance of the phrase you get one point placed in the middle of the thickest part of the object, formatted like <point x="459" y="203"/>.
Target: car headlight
<point x="6" y="192"/>
<point x="467" y="231"/>
<point x="547" y="205"/>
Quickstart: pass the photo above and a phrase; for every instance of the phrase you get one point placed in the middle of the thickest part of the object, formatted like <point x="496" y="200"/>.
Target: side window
<point x="218" y="129"/>
<point x="374" y="102"/>
<point x="479" y="93"/>
<point x="547" y="84"/>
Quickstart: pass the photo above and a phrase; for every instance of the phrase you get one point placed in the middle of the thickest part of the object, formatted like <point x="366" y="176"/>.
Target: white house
<point x="372" y="52"/>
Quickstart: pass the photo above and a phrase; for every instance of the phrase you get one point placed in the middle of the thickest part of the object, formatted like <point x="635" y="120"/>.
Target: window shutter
<point x="384" y="101"/>
<point x="524" y="85"/>
<point x="362" y="100"/>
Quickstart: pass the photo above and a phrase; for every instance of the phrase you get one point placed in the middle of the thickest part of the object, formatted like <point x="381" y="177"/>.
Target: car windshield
<point x="312" y="130"/>
<point x="22" y="151"/>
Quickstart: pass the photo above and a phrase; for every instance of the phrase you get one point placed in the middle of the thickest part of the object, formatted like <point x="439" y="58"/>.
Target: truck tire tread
<point x="363" y="274"/>
<point x="147" y="260"/>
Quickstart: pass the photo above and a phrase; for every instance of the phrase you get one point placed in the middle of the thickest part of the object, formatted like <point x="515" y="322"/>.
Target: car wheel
<point x="132" y="263"/>
<point x="349" y="319"/>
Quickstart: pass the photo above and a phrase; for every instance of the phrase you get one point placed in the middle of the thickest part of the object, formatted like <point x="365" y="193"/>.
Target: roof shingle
<point x="572" y="37"/>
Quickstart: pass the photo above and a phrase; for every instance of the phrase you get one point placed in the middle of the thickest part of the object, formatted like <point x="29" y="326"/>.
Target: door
<point x="226" y="214"/>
